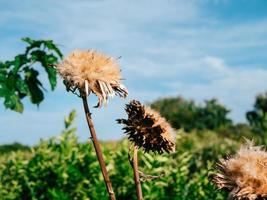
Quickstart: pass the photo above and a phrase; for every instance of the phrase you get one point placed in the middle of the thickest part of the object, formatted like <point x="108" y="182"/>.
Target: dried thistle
<point x="92" y="71"/>
<point x="244" y="174"/>
<point x="147" y="129"/>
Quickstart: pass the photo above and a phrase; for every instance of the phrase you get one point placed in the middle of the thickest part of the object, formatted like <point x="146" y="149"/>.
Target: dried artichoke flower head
<point x="244" y="175"/>
<point x="91" y="71"/>
<point x="146" y="129"/>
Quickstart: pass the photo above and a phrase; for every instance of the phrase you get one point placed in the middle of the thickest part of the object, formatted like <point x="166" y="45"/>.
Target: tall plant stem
<point x="136" y="175"/>
<point x="98" y="148"/>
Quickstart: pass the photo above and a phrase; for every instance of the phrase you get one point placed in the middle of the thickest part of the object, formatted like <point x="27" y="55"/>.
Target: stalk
<point x="98" y="148"/>
<point x="136" y="175"/>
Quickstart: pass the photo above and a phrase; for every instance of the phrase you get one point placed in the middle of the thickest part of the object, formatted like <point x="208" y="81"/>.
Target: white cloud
<point x="167" y="48"/>
<point x="236" y="86"/>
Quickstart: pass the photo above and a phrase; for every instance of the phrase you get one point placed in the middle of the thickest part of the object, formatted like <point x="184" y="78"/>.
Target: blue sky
<point x="195" y="48"/>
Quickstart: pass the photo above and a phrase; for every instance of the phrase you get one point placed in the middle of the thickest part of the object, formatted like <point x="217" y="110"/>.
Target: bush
<point x="62" y="168"/>
<point x="186" y="114"/>
<point x="13" y="147"/>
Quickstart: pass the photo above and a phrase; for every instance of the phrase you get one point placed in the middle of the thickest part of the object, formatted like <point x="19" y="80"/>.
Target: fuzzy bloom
<point x="147" y="129"/>
<point x="91" y="71"/>
<point x="244" y="175"/>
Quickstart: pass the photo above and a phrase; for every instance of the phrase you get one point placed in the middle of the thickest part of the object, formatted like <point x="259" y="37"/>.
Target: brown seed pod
<point x="244" y="175"/>
<point x="92" y="71"/>
<point x="147" y="129"/>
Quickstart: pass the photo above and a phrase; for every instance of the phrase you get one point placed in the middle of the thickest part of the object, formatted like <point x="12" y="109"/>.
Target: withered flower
<point x="147" y="129"/>
<point x="244" y="175"/>
<point x="92" y="71"/>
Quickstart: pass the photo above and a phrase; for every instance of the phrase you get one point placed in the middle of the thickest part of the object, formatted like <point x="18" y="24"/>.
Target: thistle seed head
<point x="244" y="175"/>
<point x="146" y="129"/>
<point x="91" y="71"/>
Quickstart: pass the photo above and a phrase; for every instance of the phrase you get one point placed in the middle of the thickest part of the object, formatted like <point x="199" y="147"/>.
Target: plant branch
<point x="97" y="148"/>
<point x="136" y="174"/>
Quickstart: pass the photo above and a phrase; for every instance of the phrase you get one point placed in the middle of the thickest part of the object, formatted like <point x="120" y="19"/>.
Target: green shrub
<point x="62" y="168"/>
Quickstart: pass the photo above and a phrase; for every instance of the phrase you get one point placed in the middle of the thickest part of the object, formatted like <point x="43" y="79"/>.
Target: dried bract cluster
<point x="147" y="129"/>
<point x="244" y="174"/>
<point x="92" y="71"/>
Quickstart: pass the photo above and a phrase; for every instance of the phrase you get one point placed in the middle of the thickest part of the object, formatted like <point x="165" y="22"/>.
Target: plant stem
<point x="98" y="148"/>
<point x="136" y="175"/>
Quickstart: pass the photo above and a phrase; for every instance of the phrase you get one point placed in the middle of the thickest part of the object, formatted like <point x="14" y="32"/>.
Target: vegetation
<point x="186" y="114"/>
<point x="63" y="168"/>
<point x="19" y="78"/>
<point x="13" y="147"/>
<point x="258" y="116"/>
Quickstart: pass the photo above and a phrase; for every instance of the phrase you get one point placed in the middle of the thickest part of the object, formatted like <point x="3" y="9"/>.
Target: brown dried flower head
<point x="244" y="174"/>
<point x="147" y="129"/>
<point x="91" y="71"/>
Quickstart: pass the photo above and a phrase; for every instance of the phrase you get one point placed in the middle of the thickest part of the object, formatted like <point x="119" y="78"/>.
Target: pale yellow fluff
<point x="244" y="174"/>
<point x="92" y="71"/>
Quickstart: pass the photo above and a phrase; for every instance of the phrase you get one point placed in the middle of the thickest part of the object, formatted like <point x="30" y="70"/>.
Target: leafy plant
<point x="61" y="168"/>
<point x="186" y="114"/>
<point x="19" y="78"/>
<point x="258" y="116"/>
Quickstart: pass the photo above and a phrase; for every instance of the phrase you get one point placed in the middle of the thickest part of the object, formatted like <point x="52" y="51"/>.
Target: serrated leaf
<point x="52" y="76"/>
<point x="8" y="63"/>
<point x="4" y="91"/>
<point x="34" y="85"/>
<point x="2" y="75"/>
<point x="51" y="46"/>
<point x="69" y="119"/>
<point x="28" y="40"/>
<point x="13" y="102"/>
<point x="19" y="107"/>
<point x="11" y="81"/>
<point x="33" y="44"/>
<point x="2" y="65"/>
<point x="50" y="59"/>
<point x="21" y="86"/>
<point x="38" y="55"/>
<point x="19" y="61"/>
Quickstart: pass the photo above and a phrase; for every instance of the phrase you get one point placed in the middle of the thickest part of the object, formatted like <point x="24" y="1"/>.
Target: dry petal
<point x="244" y="174"/>
<point x="92" y="71"/>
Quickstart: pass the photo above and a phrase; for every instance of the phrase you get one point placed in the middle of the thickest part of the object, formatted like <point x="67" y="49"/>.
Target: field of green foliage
<point x="62" y="168"/>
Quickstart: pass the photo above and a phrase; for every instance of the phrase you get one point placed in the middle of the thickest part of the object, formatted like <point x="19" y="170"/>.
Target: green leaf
<point x="4" y="91"/>
<point x="52" y="76"/>
<point x="19" y="106"/>
<point x="34" y="85"/>
<point x="51" y="59"/>
<point x="13" y="87"/>
<point x="13" y="102"/>
<point x="35" y="44"/>
<point x="8" y="63"/>
<point x="11" y="81"/>
<point x="2" y="65"/>
<point x="69" y="119"/>
<point x="51" y="46"/>
<point x="38" y="55"/>
<point x="46" y="61"/>
<point x="28" y="40"/>
<point x="19" y="61"/>
<point x="22" y="87"/>
<point x="3" y="74"/>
